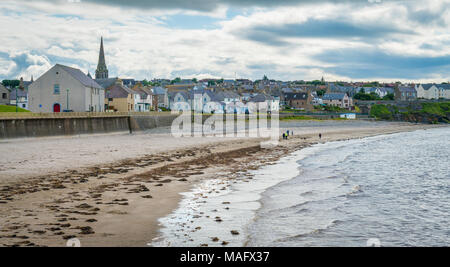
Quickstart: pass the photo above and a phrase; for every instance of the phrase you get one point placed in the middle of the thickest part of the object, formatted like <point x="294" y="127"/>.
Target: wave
<point x="317" y="231"/>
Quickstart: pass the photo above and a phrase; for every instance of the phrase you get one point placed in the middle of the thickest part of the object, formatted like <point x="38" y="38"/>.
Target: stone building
<point x="65" y="88"/>
<point x="300" y="100"/>
<point x="4" y="95"/>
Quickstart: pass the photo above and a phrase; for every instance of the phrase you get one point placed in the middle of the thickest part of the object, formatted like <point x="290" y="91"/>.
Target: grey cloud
<point x="273" y="35"/>
<point x="225" y="61"/>
<point x="203" y="5"/>
<point x="366" y="63"/>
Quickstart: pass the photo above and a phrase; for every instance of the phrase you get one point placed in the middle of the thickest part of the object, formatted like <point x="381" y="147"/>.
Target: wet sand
<point x="116" y="200"/>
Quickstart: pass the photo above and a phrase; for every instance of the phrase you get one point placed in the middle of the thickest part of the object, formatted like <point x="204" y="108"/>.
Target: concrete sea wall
<point x="40" y="127"/>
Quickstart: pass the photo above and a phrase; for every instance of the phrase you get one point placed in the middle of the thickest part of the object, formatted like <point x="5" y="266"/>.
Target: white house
<point x="271" y="104"/>
<point x="142" y="100"/>
<point x="65" y="88"/>
<point x="433" y="91"/>
<point x="181" y="102"/>
<point x="19" y="97"/>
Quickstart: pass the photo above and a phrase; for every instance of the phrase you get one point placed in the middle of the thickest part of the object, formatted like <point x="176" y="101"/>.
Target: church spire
<point x="102" y="70"/>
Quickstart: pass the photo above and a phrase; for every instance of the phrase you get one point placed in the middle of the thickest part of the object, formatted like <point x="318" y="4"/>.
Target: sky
<point x="347" y="40"/>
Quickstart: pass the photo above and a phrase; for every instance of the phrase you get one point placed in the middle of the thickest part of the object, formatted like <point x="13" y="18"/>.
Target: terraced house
<point x="405" y="93"/>
<point x="120" y="98"/>
<point x="433" y="91"/>
<point x="341" y="100"/>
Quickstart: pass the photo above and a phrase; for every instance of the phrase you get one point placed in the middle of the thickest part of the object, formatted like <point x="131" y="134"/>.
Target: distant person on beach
<point x="287" y="132"/>
<point x="320" y="136"/>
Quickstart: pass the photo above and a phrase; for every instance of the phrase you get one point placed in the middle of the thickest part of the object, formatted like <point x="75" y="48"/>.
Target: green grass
<point x="287" y="118"/>
<point x="4" y="108"/>
<point x="380" y="112"/>
<point x="436" y="108"/>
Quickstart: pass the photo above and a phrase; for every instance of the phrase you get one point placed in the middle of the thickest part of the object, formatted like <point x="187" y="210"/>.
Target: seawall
<point x="40" y="127"/>
<point x="66" y="126"/>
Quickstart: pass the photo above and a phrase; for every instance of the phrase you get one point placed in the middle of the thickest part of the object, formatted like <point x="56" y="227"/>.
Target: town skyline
<point x="289" y="40"/>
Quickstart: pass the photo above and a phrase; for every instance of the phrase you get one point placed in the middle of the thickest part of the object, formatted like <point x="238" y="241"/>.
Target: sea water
<point x="394" y="189"/>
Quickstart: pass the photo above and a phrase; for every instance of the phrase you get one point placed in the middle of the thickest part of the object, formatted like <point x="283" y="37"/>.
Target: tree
<point x="374" y="96"/>
<point x="194" y="80"/>
<point x="389" y="97"/>
<point x="320" y="92"/>
<point x="265" y="78"/>
<point x="176" y="80"/>
<point x="11" y="83"/>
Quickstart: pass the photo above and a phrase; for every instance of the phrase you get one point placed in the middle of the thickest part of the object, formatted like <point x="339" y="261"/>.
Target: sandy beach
<point x="110" y="190"/>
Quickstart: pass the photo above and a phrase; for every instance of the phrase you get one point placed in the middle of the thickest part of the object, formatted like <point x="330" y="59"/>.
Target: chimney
<point x="21" y="86"/>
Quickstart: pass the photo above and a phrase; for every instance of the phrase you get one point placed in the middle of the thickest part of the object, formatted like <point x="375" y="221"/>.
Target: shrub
<point x="381" y="112"/>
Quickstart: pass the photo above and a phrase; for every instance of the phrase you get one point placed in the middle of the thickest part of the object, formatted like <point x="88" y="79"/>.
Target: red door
<point x="56" y="108"/>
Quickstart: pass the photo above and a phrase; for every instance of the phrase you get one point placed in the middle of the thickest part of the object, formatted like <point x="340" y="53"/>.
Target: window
<point x="56" y="90"/>
<point x="4" y="96"/>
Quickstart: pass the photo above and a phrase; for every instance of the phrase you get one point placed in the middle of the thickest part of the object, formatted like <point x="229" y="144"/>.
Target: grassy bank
<point x="308" y="118"/>
<point x="4" y="108"/>
<point x="294" y="117"/>
<point x="428" y="113"/>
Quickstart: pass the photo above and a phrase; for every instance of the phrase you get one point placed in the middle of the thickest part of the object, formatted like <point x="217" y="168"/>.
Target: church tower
<point x="102" y="70"/>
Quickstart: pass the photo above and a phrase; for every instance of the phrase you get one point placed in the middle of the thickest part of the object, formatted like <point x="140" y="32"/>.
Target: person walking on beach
<point x="287" y="132"/>
<point x="320" y="136"/>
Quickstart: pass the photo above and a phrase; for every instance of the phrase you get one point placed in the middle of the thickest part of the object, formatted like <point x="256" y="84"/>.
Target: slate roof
<point x="287" y="90"/>
<point x="81" y="77"/>
<point x="143" y="92"/>
<point x="444" y="86"/>
<point x="119" y="91"/>
<point x="295" y="96"/>
<point x="159" y="90"/>
<point x="106" y="83"/>
<point x="20" y="93"/>
<point x="261" y="98"/>
<point x="186" y="95"/>
<point x="333" y="96"/>
<point x="427" y="86"/>
<point x="407" y="89"/>
<point x="226" y="94"/>
<point x="388" y="90"/>
<point x="343" y="89"/>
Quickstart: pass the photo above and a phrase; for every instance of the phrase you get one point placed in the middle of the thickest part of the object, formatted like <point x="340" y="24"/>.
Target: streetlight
<point x="16" y="101"/>
<point x="67" y="108"/>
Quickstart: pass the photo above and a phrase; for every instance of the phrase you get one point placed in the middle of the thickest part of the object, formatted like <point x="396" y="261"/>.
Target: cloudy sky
<point x="350" y="40"/>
